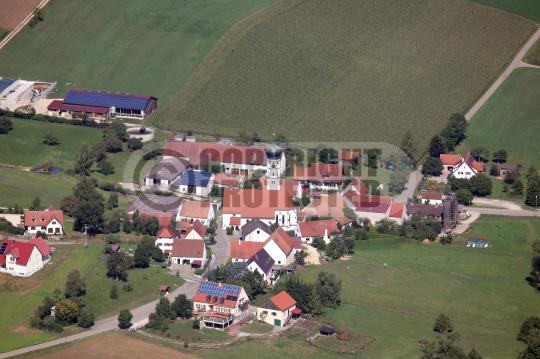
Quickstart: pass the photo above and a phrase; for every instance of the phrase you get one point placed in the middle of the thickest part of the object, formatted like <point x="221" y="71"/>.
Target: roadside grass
<point x="131" y="47"/>
<point x="98" y="287"/>
<point x="422" y="281"/>
<point x="256" y="327"/>
<point x="16" y="308"/>
<point x="184" y="330"/>
<point x="527" y="8"/>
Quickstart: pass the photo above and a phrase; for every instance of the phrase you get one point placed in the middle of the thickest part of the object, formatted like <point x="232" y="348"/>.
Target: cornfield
<point x="347" y="70"/>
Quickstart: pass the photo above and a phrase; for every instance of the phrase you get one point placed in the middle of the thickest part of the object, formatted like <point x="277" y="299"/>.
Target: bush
<point x="114" y="292"/>
<point x="196" y="324"/>
<point x="50" y="140"/>
<point x="86" y="320"/>
<point x="230" y="230"/>
<point x="134" y="144"/>
<point x="5" y="125"/>
<point x="319" y="243"/>
<point x="198" y="271"/>
<point x="26" y="112"/>
<point x="41" y="234"/>
<point x="67" y="311"/>
<point x="443" y="324"/>
<point x="128" y="287"/>
<point x="108" y="186"/>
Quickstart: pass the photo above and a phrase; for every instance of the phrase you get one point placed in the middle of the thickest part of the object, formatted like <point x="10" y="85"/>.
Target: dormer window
<point x="43" y="220"/>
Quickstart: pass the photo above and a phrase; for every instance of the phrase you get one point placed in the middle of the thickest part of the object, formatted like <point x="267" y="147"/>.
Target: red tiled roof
<point x="162" y="217"/>
<point x="227" y="180"/>
<point x="359" y="186"/>
<point x="201" y="297"/>
<point x="327" y="206"/>
<point x="252" y="203"/>
<point x="200" y="153"/>
<point x="42" y="246"/>
<point x="282" y="300"/>
<point x="245" y="250"/>
<point x="432" y="195"/>
<point x="60" y="105"/>
<point x="282" y="239"/>
<point x="315" y="194"/>
<point x="297" y="243"/>
<point x="316" y="228"/>
<point x="191" y="248"/>
<point x="319" y="172"/>
<point x="163" y="288"/>
<point x="197" y="227"/>
<point x="474" y="164"/>
<point x="34" y="218"/>
<point x="450" y="160"/>
<point x="235" y="221"/>
<point x="20" y="250"/>
<point x="358" y="199"/>
<point x="343" y="220"/>
<point x="195" y="209"/>
<point x="347" y="155"/>
<point x="301" y="216"/>
<point x="396" y="210"/>
<point x="296" y="311"/>
<point x="373" y="207"/>
<point x="51" y="208"/>
<point x="167" y="232"/>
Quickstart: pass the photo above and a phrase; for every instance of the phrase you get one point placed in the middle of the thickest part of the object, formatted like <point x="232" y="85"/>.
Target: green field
<point x="372" y="70"/>
<point x="527" y="8"/>
<point x="16" y="308"/>
<point x="483" y="291"/>
<point x="533" y="56"/>
<point x="510" y="118"/>
<point x="184" y="330"/>
<point x="140" y="47"/>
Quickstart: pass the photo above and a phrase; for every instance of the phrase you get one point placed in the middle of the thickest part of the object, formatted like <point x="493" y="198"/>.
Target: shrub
<point x="319" y="243"/>
<point x="108" y="186"/>
<point x="114" y="292"/>
<point x="5" y="125"/>
<point x="230" y="230"/>
<point x="67" y="311"/>
<point x="50" y="140"/>
<point x="134" y="144"/>
<point x="25" y="112"/>
<point x="128" y="287"/>
<point x="198" y="271"/>
<point x="443" y="324"/>
<point x="86" y="320"/>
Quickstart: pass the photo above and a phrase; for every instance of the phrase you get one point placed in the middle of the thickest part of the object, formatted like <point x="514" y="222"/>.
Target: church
<point x="271" y="204"/>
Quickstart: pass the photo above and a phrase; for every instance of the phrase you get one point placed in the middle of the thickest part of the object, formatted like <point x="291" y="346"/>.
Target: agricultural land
<point x="14" y="11"/>
<point x="372" y="77"/>
<point x="137" y="47"/>
<point x="529" y="9"/>
<point x="533" y="56"/>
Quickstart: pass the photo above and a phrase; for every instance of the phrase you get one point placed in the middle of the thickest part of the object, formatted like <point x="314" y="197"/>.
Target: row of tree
<point x="237" y="273"/>
<point x="182" y="307"/>
<point x="313" y="297"/>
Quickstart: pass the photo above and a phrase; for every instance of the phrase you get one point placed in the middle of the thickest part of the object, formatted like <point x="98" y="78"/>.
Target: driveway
<point x="313" y="255"/>
<point x="460" y="228"/>
<point x="222" y="249"/>
<point x="497" y="203"/>
<point x="503" y="212"/>
<point x="412" y="184"/>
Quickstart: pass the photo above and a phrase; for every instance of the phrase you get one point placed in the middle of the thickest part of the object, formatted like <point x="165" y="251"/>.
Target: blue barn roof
<point x="105" y="99"/>
<point x="196" y="178"/>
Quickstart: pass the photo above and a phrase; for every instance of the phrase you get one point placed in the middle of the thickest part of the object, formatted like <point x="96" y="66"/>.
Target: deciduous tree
<point x="432" y="166"/>
<point x="409" y="146"/>
<point x="116" y="266"/>
<point x="67" y="311"/>
<point x="50" y="140"/>
<point x="464" y="196"/>
<point x="329" y="289"/>
<point x="124" y="318"/>
<point x="500" y="156"/>
<point x="75" y="285"/>
<point x="83" y="160"/>
<point x="443" y="324"/>
<point x="182" y="307"/>
<point x="105" y="167"/>
<point x="5" y="125"/>
<point x="437" y="146"/>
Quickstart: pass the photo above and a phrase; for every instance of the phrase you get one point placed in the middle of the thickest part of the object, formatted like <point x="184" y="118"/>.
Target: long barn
<point x="103" y="104"/>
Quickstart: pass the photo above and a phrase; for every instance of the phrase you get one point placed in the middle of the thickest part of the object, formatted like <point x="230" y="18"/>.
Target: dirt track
<point x="14" y="11"/>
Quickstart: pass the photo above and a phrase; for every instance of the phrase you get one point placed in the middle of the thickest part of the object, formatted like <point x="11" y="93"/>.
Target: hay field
<point x="14" y="11"/>
<point x="348" y="70"/>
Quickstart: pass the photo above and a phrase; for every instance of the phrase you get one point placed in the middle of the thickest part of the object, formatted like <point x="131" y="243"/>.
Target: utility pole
<point x="85" y="233"/>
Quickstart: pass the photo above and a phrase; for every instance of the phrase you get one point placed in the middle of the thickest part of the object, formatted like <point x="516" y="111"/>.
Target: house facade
<point x="255" y="230"/>
<point x="196" y="231"/>
<point x="50" y="222"/>
<point x="228" y="301"/>
<point x="277" y="310"/>
<point x="196" y="210"/>
<point x="320" y="176"/>
<point x="432" y="198"/>
<point x="189" y="251"/>
<point x="462" y="167"/>
<point x="23" y="259"/>
<point x="280" y="247"/>
<point x="165" y="238"/>
<point x="195" y="182"/>
<point x="397" y="212"/>
<point x="166" y="172"/>
<point x="263" y="263"/>
<point x="308" y="231"/>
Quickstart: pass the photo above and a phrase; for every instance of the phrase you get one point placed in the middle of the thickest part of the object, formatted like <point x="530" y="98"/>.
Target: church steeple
<point x="273" y="163"/>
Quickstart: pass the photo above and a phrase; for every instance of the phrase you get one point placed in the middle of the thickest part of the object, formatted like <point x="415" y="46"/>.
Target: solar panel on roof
<point x="195" y="178"/>
<point x="106" y="100"/>
<point x="3" y="249"/>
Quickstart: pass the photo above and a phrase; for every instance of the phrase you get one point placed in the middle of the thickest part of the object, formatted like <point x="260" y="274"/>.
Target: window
<point x="258" y="232"/>
<point x="265" y="312"/>
<point x="283" y="219"/>
<point x="274" y="314"/>
<point x="33" y="228"/>
<point x="278" y="262"/>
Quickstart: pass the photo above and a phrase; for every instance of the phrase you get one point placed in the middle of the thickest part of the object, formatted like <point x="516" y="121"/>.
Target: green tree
<point x="362" y="234"/>
<point x="398" y="179"/>
<point x="305" y="199"/>
<point x="437" y="146"/>
<point x="124" y="318"/>
<point x="196" y="324"/>
<point x="150" y="226"/>
<point x="83" y="160"/>
<point x="500" y="156"/>
<point x="336" y="248"/>
<point x="116" y="129"/>
<point x="112" y="144"/>
<point x="443" y="324"/>
<point x="534" y="277"/>
<point x="409" y="146"/>
<point x="163" y="308"/>
<point x="88" y="212"/>
<point x="532" y="171"/>
<point x="105" y="167"/>
<point x="464" y="196"/>
<point x="44" y="310"/>
<point x="454" y="132"/>
<point x="328" y="155"/>
<point x="114" y="292"/>
<point x="85" y="320"/>
<point x="300" y="256"/>
<point x="244" y="139"/>
<point x="528" y="324"/>
<point x="26" y="112"/>
<point x="50" y="140"/>
<point x="480" y="153"/>
<point x="112" y="202"/>
<point x="328" y="289"/>
<point x="67" y="312"/>
<point x="36" y="205"/>
<point x="532" y="349"/>
<point x="134" y="144"/>
<point x="5" y="125"/>
<point x="116" y="266"/>
<point x="182" y="307"/>
<point x="47" y="164"/>
<point x="443" y="348"/>
<point x="373" y="158"/>
<point x="99" y="151"/>
<point x="480" y="185"/>
<point x="432" y="166"/>
<point x="319" y="243"/>
<point x="494" y="170"/>
<point x="517" y="188"/>
<point x="158" y="255"/>
<point x="127" y="224"/>
<point x="533" y="190"/>
<point x="75" y="285"/>
<point x="510" y="177"/>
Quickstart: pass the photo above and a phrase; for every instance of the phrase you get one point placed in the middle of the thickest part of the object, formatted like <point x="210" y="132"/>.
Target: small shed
<point x="115" y="247"/>
<point x="164" y="289"/>
<point x="326" y="330"/>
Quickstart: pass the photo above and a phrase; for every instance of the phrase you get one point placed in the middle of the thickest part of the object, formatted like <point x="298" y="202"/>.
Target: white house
<point x="280" y="247"/>
<point x="50" y="222"/>
<point x="165" y="238"/>
<point x="308" y="231"/>
<point x="397" y="212"/>
<point x="189" y="251"/>
<point x="261" y="262"/>
<point x="196" y="231"/>
<point x="196" y="210"/>
<point x="466" y="167"/>
<point x="278" y="310"/>
<point x="320" y="176"/>
<point x="23" y="259"/>
<point x="432" y="198"/>
<point x="195" y="182"/>
<point x="255" y="230"/>
<point x="229" y="300"/>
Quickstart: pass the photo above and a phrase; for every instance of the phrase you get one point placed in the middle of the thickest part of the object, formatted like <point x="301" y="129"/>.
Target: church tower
<point x="273" y="163"/>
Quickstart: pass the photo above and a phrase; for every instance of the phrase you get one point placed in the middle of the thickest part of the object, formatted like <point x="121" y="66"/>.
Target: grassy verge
<point x="257" y="327"/>
<point x="183" y="330"/>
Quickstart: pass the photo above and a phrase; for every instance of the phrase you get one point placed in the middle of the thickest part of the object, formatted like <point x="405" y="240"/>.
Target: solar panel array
<point x="3" y="249"/>
<point x="195" y="178"/>
<point x="211" y="288"/>
<point x="106" y="100"/>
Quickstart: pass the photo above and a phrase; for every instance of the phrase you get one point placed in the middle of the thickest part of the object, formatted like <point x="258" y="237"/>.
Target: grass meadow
<point x="348" y="70"/>
<point x="533" y="56"/>
<point x="483" y="291"/>
<point x="139" y="47"/>
<point x="529" y="9"/>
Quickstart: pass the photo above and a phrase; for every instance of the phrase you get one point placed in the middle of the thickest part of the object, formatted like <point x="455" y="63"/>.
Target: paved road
<point x="503" y="211"/>
<point x="222" y="249"/>
<point x="411" y="185"/>
<point x="517" y="62"/>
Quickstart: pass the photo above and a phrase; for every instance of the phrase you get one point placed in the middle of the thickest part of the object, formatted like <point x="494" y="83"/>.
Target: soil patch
<point x="299" y="270"/>
<point x="462" y="275"/>
<point x="14" y="11"/>
<point x="306" y="324"/>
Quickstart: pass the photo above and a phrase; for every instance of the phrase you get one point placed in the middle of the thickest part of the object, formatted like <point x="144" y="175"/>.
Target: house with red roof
<point x="345" y="157"/>
<point x="374" y="211"/>
<point x="220" y="302"/>
<point x="397" y="213"/>
<point x="356" y="186"/>
<point x="50" y="222"/>
<point x="279" y="245"/>
<point x="196" y="210"/>
<point x="462" y="167"/>
<point x="432" y="198"/>
<point x="165" y="238"/>
<point x="320" y="176"/>
<point x="308" y="231"/>
<point x="162" y="217"/>
<point x="23" y="258"/>
<point x="224" y="180"/>
<point x="196" y="231"/>
<point x="277" y="310"/>
<point x="450" y="161"/>
<point x="242" y="251"/>
<point x="189" y="251"/>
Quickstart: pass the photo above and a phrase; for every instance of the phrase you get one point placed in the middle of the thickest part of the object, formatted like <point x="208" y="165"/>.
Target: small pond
<point x="52" y="171"/>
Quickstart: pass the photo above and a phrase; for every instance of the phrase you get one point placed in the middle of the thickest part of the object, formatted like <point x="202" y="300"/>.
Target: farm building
<point x="165" y="172"/>
<point x="308" y="231"/>
<point x="356" y="186"/>
<point x="165" y="238"/>
<point x="222" y="303"/>
<point x="195" y="182"/>
<point x="255" y="230"/>
<point x="319" y="176"/>
<point x="427" y="210"/>
<point x="432" y="198"/>
<point x="277" y="310"/>
<point x="477" y="243"/>
<point x="103" y="105"/>
<point x="6" y="85"/>
<point x="331" y="205"/>
<point x="263" y="263"/>
<point x="187" y="251"/>
<point x="50" y="222"/>
<point x="154" y="203"/>
<point x="162" y="217"/>
<point x="242" y="251"/>
<point x="23" y="259"/>
<point x="397" y="212"/>
<point x="450" y="161"/>
<point x="196" y="211"/>
<point x="223" y="180"/>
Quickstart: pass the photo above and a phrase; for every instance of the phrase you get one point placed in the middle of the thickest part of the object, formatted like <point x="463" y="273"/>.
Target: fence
<point x="49" y="89"/>
<point x="91" y="266"/>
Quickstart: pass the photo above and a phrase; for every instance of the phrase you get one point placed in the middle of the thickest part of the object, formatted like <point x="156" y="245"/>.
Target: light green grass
<point x="479" y="289"/>
<point x="184" y="329"/>
<point x="257" y="327"/>
<point x="527" y="8"/>
<point x="98" y="288"/>
<point x="509" y="120"/>
<point x="17" y="308"/>
<point x="139" y="47"/>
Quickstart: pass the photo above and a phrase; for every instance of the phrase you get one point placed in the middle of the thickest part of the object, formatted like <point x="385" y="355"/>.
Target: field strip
<point x="25" y="21"/>
<point x="517" y="62"/>
<point x="424" y="315"/>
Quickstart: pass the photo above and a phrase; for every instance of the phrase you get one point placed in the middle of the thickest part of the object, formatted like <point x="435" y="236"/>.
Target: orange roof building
<point x="308" y="231"/>
<point x="279" y="246"/>
<point x="196" y="231"/>
<point x="277" y="310"/>
<point x="165" y="238"/>
<point x="162" y="217"/>
<point x="320" y="176"/>
<point x="49" y="221"/>
<point x="197" y="210"/>
<point x="397" y="212"/>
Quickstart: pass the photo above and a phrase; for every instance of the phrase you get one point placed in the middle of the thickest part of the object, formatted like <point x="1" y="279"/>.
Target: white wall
<point x="258" y="235"/>
<point x="50" y="229"/>
<point x="205" y="221"/>
<point x="433" y="201"/>
<point x="35" y="263"/>
<point x="253" y="267"/>
<point x="164" y="243"/>
<point x="373" y="217"/>
<point x="280" y="258"/>
<point x="463" y="171"/>
<point x="180" y="260"/>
